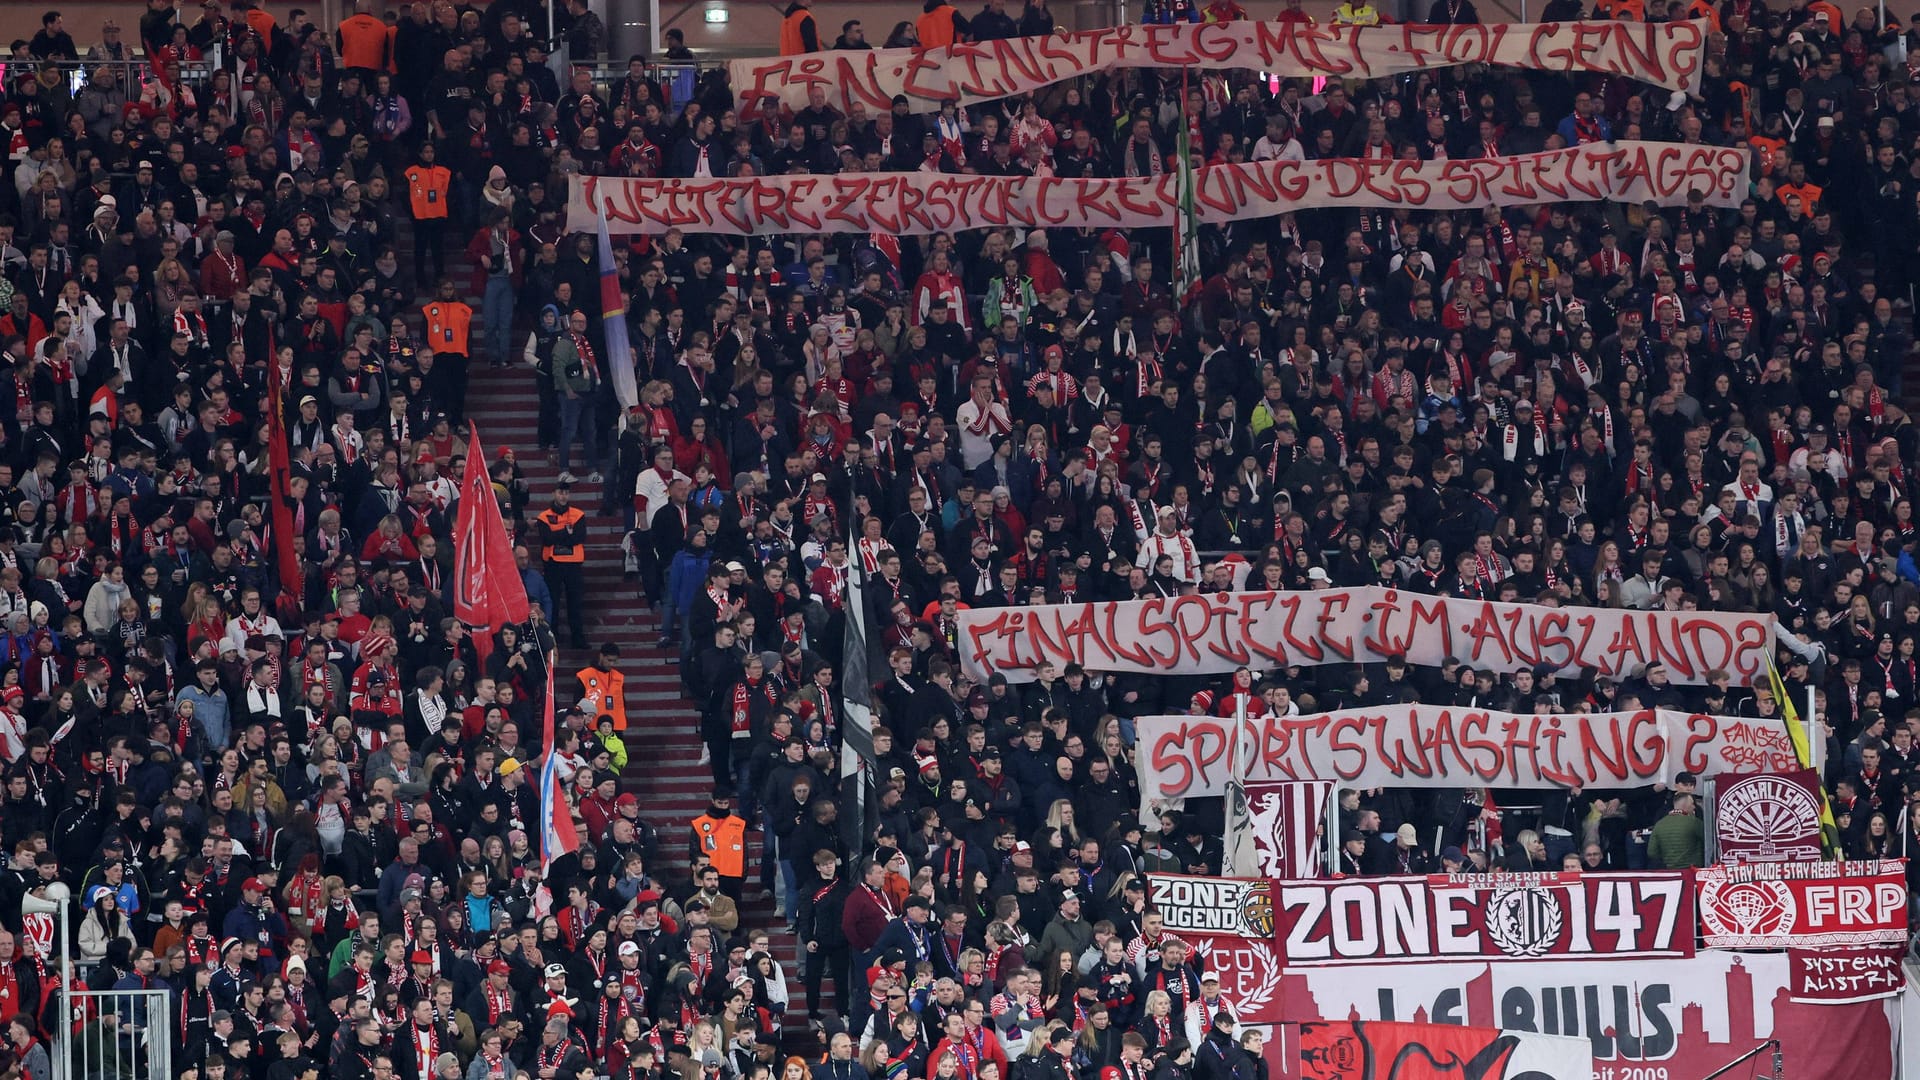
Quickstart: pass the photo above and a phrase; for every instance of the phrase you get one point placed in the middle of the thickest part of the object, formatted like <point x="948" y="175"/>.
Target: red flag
<point x="292" y="580"/>
<point x="487" y="590"/>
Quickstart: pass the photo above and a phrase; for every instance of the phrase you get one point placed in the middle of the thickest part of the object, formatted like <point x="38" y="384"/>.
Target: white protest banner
<point x="1666" y="54"/>
<point x="1215" y="633"/>
<point x="921" y="203"/>
<point x="1434" y="746"/>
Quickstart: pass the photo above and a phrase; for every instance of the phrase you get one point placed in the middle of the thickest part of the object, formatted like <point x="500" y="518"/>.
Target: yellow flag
<point x="1802" y="753"/>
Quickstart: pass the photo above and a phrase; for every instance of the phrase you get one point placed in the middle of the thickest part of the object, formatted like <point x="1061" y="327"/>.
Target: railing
<point x="115" y="1035"/>
<point x="677" y="81"/>
<point x="130" y="73"/>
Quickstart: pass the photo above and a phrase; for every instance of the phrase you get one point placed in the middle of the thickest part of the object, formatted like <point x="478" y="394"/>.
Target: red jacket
<point x="863" y="918"/>
<point x="481" y="245"/>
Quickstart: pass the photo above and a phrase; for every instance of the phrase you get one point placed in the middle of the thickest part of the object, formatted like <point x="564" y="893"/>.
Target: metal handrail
<point x="677" y="79"/>
<point x="131" y="72"/>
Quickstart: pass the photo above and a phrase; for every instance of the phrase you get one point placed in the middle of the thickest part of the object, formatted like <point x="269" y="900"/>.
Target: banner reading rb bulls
<point x="1806" y="905"/>
<point x="1497" y="916"/>
<point x="1645" y="1019"/>
<point x="1383" y="1050"/>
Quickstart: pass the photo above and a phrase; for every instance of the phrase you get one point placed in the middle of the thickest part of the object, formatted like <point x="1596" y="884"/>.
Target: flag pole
<point x="1186" y="178"/>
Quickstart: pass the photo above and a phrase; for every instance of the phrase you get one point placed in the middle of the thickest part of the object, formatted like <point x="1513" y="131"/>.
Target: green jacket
<point x="1677" y="842"/>
<point x="566" y="358"/>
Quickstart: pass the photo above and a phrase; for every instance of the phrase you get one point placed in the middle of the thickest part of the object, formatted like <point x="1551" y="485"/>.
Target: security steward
<point x="720" y="838"/>
<point x="427" y="187"/>
<point x="799" y="33"/>
<point x="563" y="548"/>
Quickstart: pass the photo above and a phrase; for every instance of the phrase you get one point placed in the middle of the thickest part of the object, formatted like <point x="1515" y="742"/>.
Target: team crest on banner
<point x="1770" y="817"/>
<point x="1274" y="827"/>
<point x="38" y="928"/>
<point x="1250" y="971"/>
<point x="1804" y="905"/>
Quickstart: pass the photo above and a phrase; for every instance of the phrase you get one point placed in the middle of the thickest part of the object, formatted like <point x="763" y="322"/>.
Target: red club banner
<point x="922" y="203"/>
<point x="1773" y="817"/>
<point x="1665" y="54"/>
<point x="1273" y="828"/>
<point x="1429" y="746"/>
<point x="1250" y="970"/>
<point x="1383" y="1050"/>
<point x="1804" y="905"/>
<point x="1645" y="1019"/>
<point x="1841" y="976"/>
<point x="1215" y="633"/>
<point x="1498" y="916"/>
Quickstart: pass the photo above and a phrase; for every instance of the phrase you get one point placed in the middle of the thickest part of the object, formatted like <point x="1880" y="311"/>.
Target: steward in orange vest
<point x="939" y="25"/>
<point x="603" y="689"/>
<point x="720" y="838"/>
<point x="798" y="32"/>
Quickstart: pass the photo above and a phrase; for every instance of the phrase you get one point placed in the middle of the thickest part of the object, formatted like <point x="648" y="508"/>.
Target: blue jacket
<point x="685" y="575"/>
<point x="537" y="592"/>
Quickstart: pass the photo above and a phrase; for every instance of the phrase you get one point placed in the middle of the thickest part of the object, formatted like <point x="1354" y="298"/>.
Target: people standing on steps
<point x="498" y="270"/>
<point x="577" y="383"/>
<point x="563" y="550"/>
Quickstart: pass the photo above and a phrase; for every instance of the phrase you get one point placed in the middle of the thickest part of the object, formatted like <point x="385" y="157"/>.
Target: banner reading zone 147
<point x="1215" y="633"/>
<point x="1499" y="916"/>
<point x="921" y="203"/>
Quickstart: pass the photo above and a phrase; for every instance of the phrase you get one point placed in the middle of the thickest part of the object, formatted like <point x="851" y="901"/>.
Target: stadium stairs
<point x="663" y="744"/>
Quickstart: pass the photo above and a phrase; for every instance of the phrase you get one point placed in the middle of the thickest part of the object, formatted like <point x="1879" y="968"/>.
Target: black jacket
<point x="819" y="919"/>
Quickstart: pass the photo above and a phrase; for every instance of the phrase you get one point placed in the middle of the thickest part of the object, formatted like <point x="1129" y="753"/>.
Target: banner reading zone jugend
<point x="921" y="203"/>
<point x="1429" y="746"/>
<point x="1498" y="916"/>
<point x="1217" y="632"/>
<point x="1665" y="54"/>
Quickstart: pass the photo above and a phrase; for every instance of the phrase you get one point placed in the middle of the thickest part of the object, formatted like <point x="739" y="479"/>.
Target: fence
<point x="115" y="1035"/>
<point x="132" y="73"/>
<point x="676" y="81"/>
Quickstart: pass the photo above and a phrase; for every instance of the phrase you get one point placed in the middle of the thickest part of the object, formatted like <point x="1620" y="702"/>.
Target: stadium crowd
<point x="308" y="807"/>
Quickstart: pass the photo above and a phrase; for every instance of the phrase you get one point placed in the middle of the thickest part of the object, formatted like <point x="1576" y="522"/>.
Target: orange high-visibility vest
<point x="793" y="41"/>
<point x="724" y="843"/>
<point x="363" y="43"/>
<point x="935" y="28"/>
<point x="447" y="326"/>
<point x="427" y="191"/>
<point x="605" y="692"/>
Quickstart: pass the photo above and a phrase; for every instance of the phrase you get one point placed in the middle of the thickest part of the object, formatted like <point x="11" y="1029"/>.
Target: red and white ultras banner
<point x="1274" y="827"/>
<point x="1803" y="905"/>
<point x="1769" y="817"/>
<point x="1384" y="1050"/>
<point x="1442" y="917"/>
<point x="925" y="203"/>
<point x="1666" y="54"/>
